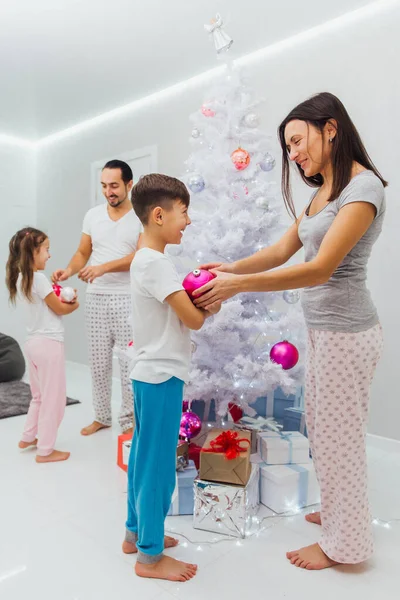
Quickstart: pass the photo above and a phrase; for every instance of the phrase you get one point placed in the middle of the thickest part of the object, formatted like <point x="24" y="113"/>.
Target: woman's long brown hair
<point x="347" y="146"/>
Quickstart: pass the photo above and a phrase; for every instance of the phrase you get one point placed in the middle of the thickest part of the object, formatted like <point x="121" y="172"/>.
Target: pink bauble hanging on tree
<point x="241" y="159"/>
<point x="190" y="425"/>
<point x="195" y="280"/>
<point x="284" y="354"/>
<point x="207" y="110"/>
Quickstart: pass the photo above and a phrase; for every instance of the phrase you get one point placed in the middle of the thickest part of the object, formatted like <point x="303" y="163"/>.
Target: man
<point x="110" y="235"/>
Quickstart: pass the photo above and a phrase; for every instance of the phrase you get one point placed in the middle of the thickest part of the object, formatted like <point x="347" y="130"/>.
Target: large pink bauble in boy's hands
<point x="195" y="280"/>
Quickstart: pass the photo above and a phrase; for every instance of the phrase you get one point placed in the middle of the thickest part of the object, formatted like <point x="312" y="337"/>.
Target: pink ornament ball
<point x="190" y="425"/>
<point x="195" y="280"/>
<point x="284" y="354"/>
<point x="207" y="111"/>
<point x="57" y="289"/>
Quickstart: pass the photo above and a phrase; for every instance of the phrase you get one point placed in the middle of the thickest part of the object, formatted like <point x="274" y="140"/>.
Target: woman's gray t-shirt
<point x="343" y="303"/>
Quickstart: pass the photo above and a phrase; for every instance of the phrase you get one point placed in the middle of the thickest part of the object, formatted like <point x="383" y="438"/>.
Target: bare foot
<point x="23" y="445"/>
<point x="166" y="568"/>
<point x="130" y="547"/>
<point x="55" y="456"/>
<point x="93" y="428"/>
<point x="311" y="557"/>
<point x="130" y="431"/>
<point x="314" y="518"/>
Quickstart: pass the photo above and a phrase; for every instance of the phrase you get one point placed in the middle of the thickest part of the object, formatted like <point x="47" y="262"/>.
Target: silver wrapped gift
<point x="227" y="509"/>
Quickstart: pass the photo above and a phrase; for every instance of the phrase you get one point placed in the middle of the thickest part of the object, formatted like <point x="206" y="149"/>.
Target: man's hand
<point x="89" y="274"/>
<point x="61" y="275"/>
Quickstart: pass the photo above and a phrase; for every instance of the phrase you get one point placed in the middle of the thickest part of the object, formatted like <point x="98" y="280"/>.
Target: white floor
<point x="61" y="527"/>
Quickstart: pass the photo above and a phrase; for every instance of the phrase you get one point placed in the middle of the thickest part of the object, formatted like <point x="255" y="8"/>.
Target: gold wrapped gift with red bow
<point x="225" y="457"/>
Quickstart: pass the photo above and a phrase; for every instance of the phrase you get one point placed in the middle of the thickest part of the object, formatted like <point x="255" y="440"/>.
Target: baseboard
<point x="383" y="443"/>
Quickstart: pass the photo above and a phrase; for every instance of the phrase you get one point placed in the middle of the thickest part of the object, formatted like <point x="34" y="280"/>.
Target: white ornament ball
<point x="262" y="202"/>
<point x="196" y="133"/>
<point x="67" y="294"/>
<point x="252" y="120"/>
<point x="196" y="183"/>
<point x="291" y="296"/>
<point x="267" y="163"/>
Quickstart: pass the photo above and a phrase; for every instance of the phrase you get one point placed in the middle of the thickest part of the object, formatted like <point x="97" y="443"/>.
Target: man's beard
<point x="117" y="204"/>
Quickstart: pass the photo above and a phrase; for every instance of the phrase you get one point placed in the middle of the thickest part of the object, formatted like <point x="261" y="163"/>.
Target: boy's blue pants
<point x="152" y="464"/>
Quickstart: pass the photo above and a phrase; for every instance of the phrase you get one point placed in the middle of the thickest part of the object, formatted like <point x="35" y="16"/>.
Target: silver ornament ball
<point x="196" y="133"/>
<point x="196" y="183"/>
<point x="267" y="163"/>
<point x="262" y="202"/>
<point x="291" y="296"/>
<point x="252" y="120"/>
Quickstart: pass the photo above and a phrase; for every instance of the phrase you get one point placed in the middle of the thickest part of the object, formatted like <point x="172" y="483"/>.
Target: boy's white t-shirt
<point x="160" y="340"/>
<point x="40" y="319"/>
<point x="111" y="240"/>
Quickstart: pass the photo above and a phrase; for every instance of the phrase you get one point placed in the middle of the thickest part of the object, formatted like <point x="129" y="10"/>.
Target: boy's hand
<point x="213" y="308"/>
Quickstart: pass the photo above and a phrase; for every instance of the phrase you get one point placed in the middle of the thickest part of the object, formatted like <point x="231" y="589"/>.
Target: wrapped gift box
<point x="124" y="448"/>
<point x="226" y="509"/>
<point x="283" y="448"/>
<point x="183" y="496"/>
<point x="294" y="420"/>
<point x="182" y="455"/>
<point x="215" y="466"/>
<point x="284" y="488"/>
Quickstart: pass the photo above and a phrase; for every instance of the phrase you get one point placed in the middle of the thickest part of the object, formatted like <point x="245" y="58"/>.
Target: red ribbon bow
<point x="228" y="442"/>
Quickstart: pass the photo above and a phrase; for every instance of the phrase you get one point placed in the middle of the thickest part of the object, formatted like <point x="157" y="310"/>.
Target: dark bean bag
<point x="12" y="362"/>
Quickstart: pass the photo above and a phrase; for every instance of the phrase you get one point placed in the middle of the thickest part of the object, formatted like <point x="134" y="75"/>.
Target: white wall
<point x="358" y="63"/>
<point x="18" y="209"/>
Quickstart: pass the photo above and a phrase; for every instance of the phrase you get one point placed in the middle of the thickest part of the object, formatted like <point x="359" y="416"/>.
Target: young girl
<point x="44" y="348"/>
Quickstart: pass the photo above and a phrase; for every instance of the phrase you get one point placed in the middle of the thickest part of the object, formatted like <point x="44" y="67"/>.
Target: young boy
<point x="162" y="316"/>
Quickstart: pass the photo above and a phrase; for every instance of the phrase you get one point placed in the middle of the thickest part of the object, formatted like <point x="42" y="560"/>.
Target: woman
<point x="337" y="230"/>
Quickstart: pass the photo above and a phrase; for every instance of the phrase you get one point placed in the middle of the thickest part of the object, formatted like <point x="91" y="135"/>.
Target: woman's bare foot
<point x="314" y="518"/>
<point x="93" y="428"/>
<point x="55" y="456"/>
<point x="166" y="568"/>
<point x="130" y="547"/>
<point x="24" y="445"/>
<point x="311" y="557"/>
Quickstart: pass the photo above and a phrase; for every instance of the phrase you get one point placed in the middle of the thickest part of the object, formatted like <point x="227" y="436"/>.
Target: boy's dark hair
<point x="126" y="171"/>
<point x="21" y="260"/>
<point x="157" y="190"/>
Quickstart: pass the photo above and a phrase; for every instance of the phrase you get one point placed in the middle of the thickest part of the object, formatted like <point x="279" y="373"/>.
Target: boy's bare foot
<point x="311" y="557"/>
<point x="130" y="431"/>
<point x="93" y="428"/>
<point x="314" y="518"/>
<point x="166" y="568"/>
<point x="55" y="456"/>
<point x="130" y="547"/>
<point x="23" y="445"/>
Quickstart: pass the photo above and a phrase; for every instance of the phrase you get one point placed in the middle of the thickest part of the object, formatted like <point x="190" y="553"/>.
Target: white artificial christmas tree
<point x="236" y="210"/>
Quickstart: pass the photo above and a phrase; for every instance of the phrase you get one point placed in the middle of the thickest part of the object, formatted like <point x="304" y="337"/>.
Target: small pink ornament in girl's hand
<point x="66" y="294"/>
<point x="195" y="280"/>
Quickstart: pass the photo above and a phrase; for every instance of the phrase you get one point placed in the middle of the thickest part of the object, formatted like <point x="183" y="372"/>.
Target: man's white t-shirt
<point x="111" y="240"/>
<point x="161" y="342"/>
<point x="39" y="318"/>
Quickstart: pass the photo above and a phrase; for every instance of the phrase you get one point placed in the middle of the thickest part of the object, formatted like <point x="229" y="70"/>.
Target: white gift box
<point x="126" y="450"/>
<point x="284" y="488"/>
<point x="227" y="509"/>
<point x="283" y="448"/>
